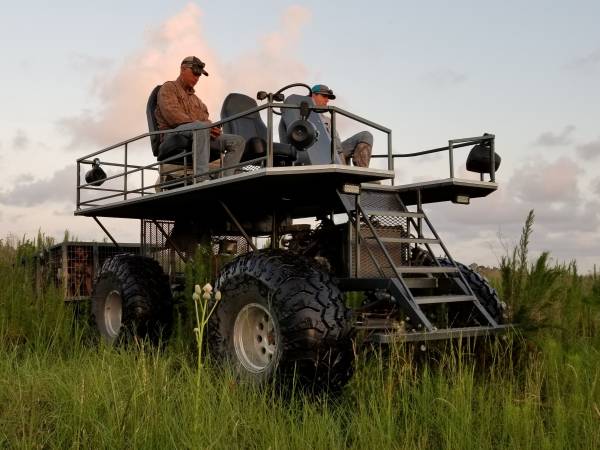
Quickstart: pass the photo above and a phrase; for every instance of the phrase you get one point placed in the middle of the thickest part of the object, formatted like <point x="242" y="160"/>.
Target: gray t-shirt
<point x="326" y="118"/>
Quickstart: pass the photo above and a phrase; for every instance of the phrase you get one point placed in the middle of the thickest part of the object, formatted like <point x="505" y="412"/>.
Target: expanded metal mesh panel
<point x="230" y="245"/>
<point x="380" y="200"/>
<point x="74" y="265"/>
<point x="371" y="255"/>
<point x="157" y="243"/>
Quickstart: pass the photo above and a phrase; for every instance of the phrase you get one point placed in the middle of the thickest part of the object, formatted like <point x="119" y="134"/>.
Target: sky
<point x="76" y="77"/>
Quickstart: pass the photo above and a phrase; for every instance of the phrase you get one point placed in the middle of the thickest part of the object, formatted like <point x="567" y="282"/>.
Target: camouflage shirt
<point x="177" y="105"/>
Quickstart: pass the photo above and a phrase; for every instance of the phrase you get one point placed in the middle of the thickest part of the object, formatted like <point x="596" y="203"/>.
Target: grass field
<point x="537" y="389"/>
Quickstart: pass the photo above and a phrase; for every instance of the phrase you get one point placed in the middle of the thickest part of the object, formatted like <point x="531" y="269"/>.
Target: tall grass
<point x="539" y="388"/>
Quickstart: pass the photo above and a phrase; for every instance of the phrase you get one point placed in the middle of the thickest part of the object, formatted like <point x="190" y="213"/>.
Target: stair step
<point x="437" y="299"/>
<point x="407" y="240"/>
<point x="382" y="212"/>
<point x="426" y="269"/>
<point x="421" y="283"/>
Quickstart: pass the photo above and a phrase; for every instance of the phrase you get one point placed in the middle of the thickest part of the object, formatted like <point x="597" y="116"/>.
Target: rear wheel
<point x="282" y="317"/>
<point x="485" y="293"/>
<point x="132" y="299"/>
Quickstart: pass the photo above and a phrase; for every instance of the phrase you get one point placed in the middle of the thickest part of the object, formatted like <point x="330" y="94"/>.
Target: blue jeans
<point x="230" y="145"/>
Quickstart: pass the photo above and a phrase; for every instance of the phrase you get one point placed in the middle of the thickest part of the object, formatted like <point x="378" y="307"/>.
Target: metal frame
<point x="130" y="169"/>
<point x="394" y="284"/>
<point x="452" y="145"/>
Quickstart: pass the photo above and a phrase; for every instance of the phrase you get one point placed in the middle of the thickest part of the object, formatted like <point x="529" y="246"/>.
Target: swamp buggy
<point x="286" y="285"/>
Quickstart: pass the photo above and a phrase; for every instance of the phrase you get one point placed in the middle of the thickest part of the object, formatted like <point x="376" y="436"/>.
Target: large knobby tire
<point x="131" y="300"/>
<point x="282" y="318"/>
<point x="485" y="293"/>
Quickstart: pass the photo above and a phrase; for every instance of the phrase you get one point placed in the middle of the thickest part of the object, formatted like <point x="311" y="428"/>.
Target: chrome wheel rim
<point x="113" y="313"/>
<point x="255" y="338"/>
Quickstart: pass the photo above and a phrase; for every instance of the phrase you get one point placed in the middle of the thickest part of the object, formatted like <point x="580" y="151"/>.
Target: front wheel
<point x="282" y="317"/>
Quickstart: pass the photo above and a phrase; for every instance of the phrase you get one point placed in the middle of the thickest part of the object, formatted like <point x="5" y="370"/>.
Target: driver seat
<point x="253" y="129"/>
<point x="171" y="145"/>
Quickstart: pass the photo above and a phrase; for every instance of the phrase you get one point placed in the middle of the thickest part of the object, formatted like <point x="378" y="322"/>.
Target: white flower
<point x="206" y="296"/>
<point x="197" y="289"/>
<point x="218" y="295"/>
<point x="197" y="330"/>
<point x="207" y="288"/>
<point x="195" y="297"/>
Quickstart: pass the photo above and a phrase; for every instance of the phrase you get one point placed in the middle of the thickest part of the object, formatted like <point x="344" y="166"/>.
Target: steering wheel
<point x="279" y="94"/>
<point x="285" y="88"/>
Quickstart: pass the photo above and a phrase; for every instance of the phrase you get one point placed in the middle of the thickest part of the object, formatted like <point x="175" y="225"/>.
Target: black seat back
<point x="249" y="126"/>
<point x="152" y="124"/>
<point x="253" y="129"/>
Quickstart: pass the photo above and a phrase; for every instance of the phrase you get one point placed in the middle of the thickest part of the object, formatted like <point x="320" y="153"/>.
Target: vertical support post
<point x="95" y="261"/>
<point x="125" y="175"/>
<point x="274" y="232"/>
<point x="270" y="135"/>
<point x="333" y="126"/>
<point x="194" y="162"/>
<point x="78" y="185"/>
<point x="419" y="210"/>
<point x="142" y="240"/>
<point x="451" y="157"/>
<point x="390" y="157"/>
<point x="65" y="270"/>
<point x="493" y="160"/>
<point x="357" y="239"/>
<point x="185" y="169"/>
<point x="143" y="187"/>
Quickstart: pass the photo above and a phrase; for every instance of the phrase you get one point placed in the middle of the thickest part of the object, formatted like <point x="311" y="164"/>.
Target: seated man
<point x="179" y="108"/>
<point x="358" y="147"/>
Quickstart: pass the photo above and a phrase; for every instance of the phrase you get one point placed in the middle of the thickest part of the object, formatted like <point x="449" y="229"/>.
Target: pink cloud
<point x="543" y="181"/>
<point x="124" y="92"/>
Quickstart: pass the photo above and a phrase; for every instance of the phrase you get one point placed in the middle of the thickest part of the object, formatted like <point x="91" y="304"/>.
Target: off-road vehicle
<point x="310" y="252"/>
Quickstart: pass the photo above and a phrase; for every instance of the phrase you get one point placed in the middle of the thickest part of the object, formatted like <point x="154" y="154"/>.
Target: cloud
<point x="550" y="139"/>
<point x="596" y="186"/>
<point x="566" y="224"/>
<point x="123" y="93"/>
<point x="444" y="78"/>
<point x="590" y="150"/>
<point x="21" y="140"/>
<point x="588" y="62"/>
<point x="82" y="62"/>
<point x="28" y="192"/>
<point x="547" y="182"/>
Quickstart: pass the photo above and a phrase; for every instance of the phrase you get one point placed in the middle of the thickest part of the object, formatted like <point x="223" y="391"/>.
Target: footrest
<point x="438" y="299"/>
<point x="426" y="269"/>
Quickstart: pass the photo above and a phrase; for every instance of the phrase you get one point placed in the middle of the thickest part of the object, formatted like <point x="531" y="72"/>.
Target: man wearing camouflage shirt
<point x="179" y="108"/>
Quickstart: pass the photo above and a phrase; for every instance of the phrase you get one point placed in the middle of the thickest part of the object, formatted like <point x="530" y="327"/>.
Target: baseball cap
<point x="323" y="90"/>
<point x="195" y="64"/>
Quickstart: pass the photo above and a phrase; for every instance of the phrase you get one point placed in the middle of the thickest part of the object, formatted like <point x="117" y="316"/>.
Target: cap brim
<point x="202" y="72"/>
<point x="331" y="96"/>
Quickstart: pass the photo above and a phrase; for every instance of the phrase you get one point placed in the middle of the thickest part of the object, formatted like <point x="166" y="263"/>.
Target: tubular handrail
<point x="130" y="169"/>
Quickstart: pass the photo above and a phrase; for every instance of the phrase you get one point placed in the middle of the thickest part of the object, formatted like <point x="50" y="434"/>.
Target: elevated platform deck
<point x="301" y="191"/>
<point x="304" y="191"/>
<point x="445" y="190"/>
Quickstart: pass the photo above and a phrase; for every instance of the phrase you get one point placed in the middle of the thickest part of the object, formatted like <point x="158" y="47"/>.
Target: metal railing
<point x="190" y="175"/>
<point x="453" y="144"/>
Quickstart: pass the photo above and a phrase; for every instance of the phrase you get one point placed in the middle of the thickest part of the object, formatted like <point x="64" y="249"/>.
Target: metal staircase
<point x="394" y="250"/>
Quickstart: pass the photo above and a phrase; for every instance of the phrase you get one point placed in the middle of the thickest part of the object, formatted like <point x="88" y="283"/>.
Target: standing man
<point x="358" y="147"/>
<point x="179" y="108"/>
